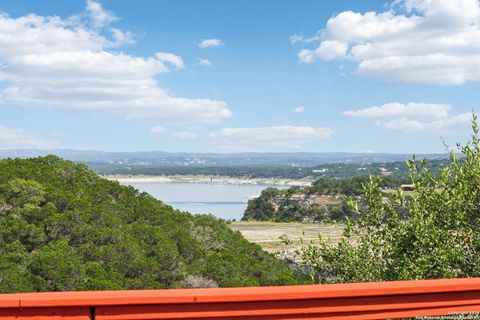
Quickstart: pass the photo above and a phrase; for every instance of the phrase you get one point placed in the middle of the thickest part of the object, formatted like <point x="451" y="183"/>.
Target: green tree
<point x="429" y="233"/>
<point x="56" y="267"/>
<point x="21" y="192"/>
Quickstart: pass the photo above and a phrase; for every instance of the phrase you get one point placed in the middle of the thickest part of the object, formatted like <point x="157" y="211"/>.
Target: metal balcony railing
<point x="374" y="300"/>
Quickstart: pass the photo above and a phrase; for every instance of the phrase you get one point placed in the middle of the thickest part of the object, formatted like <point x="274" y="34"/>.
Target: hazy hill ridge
<point x="160" y="158"/>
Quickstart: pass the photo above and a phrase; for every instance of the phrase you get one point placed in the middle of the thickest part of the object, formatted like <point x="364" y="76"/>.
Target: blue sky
<point x="230" y="76"/>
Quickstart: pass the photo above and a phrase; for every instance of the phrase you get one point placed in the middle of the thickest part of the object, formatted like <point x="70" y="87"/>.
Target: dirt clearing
<point x="266" y="234"/>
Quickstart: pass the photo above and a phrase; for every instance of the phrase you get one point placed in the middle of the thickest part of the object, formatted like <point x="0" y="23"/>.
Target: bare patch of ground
<point x="267" y="234"/>
<point x="327" y="200"/>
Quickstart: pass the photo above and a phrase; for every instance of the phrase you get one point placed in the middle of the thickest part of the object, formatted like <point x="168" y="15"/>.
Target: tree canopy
<point x="62" y="227"/>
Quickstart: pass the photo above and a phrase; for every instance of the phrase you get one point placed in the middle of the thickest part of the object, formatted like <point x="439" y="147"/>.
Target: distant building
<point x="384" y="172"/>
<point x="406" y="187"/>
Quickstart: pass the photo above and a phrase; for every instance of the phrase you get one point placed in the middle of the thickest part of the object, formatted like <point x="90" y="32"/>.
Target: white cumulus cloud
<point x="174" y="60"/>
<point x="121" y="38"/>
<point x="210" y="43"/>
<point x="60" y="63"/>
<point x="297" y="38"/>
<point x="396" y="109"/>
<point x="204" y="62"/>
<point x="414" y="41"/>
<point x="19" y="138"/>
<point x="100" y="16"/>
<point x="414" y="117"/>
<point x="268" y="138"/>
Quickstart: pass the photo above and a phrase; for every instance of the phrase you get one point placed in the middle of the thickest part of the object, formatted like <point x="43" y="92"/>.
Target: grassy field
<point x="267" y="234"/>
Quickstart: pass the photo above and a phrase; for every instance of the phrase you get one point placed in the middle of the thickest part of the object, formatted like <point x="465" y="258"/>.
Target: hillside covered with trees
<point x="322" y="202"/>
<point x="62" y="227"/>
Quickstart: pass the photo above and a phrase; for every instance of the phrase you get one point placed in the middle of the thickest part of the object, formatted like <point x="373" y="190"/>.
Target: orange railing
<point x="375" y="300"/>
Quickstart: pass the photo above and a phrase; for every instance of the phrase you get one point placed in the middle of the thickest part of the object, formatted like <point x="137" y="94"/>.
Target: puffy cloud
<point x="296" y="38"/>
<point x="307" y="56"/>
<point x="299" y="109"/>
<point x="415" y="41"/>
<point x="414" y="117"/>
<point x="396" y="109"/>
<point x="266" y="138"/>
<point x="446" y="125"/>
<point x="121" y="38"/>
<point x="210" y="43"/>
<point x="100" y="17"/>
<point x="204" y="62"/>
<point x="328" y="50"/>
<point x="18" y="138"/>
<point x="175" y="60"/>
<point x="64" y="64"/>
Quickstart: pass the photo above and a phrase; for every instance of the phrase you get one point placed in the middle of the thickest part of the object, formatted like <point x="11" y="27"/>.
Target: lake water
<point x="227" y="201"/>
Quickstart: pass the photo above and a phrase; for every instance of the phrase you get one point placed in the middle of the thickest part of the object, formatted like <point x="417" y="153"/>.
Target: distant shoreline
<point x="208" y="180"/>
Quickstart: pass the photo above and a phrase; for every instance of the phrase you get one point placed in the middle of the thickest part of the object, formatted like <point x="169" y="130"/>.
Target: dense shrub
<point x="432" y="232"/>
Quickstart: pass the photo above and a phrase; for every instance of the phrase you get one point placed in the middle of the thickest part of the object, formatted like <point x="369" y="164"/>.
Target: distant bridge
<point x="375" y="300"/>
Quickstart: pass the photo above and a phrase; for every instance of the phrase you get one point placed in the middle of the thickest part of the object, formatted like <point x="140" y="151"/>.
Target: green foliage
<point x="429" y="233"/>
<point x="297" y="204"/>
<point x="262" y="208"/>
<point x="352" y="186"/>
<point x="55" y="267"/>
<point x="62" y="227"/>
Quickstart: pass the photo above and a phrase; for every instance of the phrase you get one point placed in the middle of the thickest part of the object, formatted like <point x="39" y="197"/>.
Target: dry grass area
<point x="327" y="200"/>
<point x="267" y="234"/>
